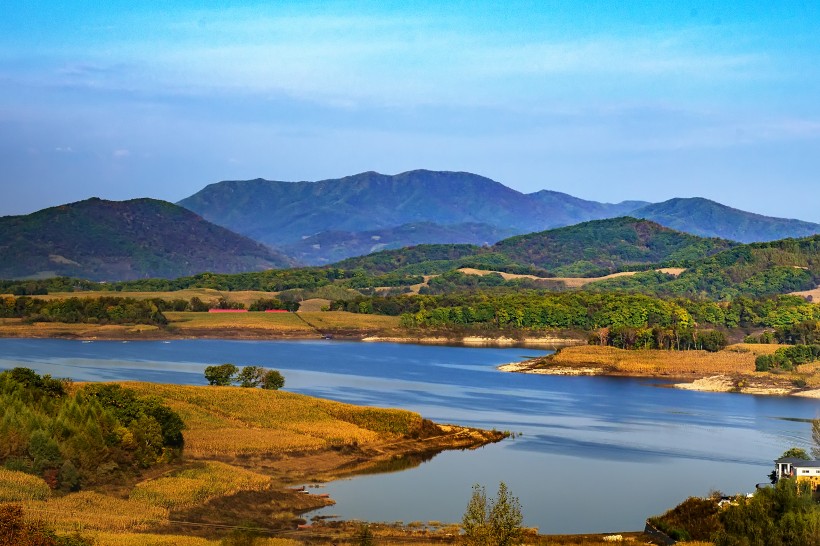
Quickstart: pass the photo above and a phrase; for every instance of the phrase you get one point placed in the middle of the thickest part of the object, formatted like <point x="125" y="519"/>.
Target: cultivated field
<point x="274" y="324"/>
<point x="735" y="359"/>
<point x="342" y="320"/>
<point x="231" y="421"/>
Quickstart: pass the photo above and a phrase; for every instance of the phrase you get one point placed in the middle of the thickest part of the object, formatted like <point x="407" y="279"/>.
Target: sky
<point x="604" y="100"/>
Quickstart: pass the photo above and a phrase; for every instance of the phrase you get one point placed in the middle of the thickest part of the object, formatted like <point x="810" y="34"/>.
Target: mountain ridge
<point x="281" y="214"/>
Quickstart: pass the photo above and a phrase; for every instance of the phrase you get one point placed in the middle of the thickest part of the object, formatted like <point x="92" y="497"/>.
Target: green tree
<point x="795" y="453"/>
<point x="474" y="522"/>
<point x="495" y="524"/>
<point x="250" y="376"/>
<point x="221" y="375"/>
<point x="364" y="536"/>
<point x="815" y="436"/>
<point x="272" y="380"/>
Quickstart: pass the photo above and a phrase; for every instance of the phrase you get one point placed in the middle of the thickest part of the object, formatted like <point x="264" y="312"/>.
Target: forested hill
<point x="121" y="240"/>
<point x="605" y="246"/>
<point x="591" y="248"/>
<point x="758" y="269"/>
<point x="322" y="222"/>
<point x="709" y="219"/>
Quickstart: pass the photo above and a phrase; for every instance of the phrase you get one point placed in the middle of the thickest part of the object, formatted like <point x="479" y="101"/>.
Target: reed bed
<point x="18" y="486"/>
<point x="196" y="486"/>
<point x="87" y="510"/>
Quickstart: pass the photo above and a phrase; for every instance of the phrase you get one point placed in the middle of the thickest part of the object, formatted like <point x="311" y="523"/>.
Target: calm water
<point x="595" y="455"/>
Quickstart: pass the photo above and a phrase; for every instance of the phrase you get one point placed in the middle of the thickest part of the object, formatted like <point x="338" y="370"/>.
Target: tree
<point x="795" y="453"/>
<point x="474" y="522"/>
<point x="364" y="536"/>
<point x="815" y="436"/>
<point x="496" y="524"/>
<point x="221" y="375"/>
<point x="250" y="376"/>
<point x="272" y="380"/>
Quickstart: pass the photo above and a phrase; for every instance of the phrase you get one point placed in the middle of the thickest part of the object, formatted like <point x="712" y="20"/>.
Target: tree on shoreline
<point x="496" y="524"/>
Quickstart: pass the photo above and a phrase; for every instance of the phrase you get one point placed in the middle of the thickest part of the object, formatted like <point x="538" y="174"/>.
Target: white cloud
<point x="121" y="153"/>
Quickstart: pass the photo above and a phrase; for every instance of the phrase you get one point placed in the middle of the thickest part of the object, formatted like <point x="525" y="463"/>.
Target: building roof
<point x="794" y="461"/>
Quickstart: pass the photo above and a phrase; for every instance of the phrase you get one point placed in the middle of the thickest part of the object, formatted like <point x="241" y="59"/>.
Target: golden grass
<point x="654" y="362"/>
<point x="147" y="539"/>
<point x="94" y="511"/>
<point x="18" y="328"/>
<point x="195" y="486"/>
<point x="755" y="348"/>
<point x="207" y="295"/>
<point x="342" y="320"/>
<point x="313" y="305"/>
<point x="273" y="323"/>
<point x="19" y="486"/>
<point x="233" y="420"/>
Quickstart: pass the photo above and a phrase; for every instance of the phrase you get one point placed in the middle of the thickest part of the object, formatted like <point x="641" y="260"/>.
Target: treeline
<point x="89" y="436"/>
<point x="590" y="311"/>
<point x="274" y="280"/>
<point x="102" y="310"/>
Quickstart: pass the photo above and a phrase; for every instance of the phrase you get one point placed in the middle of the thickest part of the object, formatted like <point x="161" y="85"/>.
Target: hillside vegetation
<point x="116" y="240"/>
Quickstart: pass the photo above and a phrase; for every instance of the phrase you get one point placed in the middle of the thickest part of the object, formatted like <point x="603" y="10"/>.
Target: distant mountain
<point x="280" y="214"/>
<point x="332" y="246"/>
<point x="710" y="219"/>
<point x="591" y="248"/>
<point x="123" y="240"/>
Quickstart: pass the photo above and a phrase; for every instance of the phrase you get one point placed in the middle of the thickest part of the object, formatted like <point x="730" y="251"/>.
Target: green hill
<point x="591" y="248"/>
<point x="121" y="240"/>
<point x="601" y="247"/>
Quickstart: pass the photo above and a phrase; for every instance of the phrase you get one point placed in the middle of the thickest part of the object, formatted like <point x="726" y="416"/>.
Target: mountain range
<point x="120" y="240"/>
<point x="322" y="222"/>
<point x="315" y="223"/>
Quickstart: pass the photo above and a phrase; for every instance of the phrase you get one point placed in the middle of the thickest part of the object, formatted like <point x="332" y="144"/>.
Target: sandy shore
<point x="715" y="383"/>
<point x="546" y="342"/>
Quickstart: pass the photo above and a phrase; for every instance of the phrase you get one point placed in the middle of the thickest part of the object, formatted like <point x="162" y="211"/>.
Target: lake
<point x="594" y="454"/>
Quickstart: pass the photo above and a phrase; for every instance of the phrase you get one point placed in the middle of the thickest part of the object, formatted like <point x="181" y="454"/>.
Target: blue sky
<point x="603" y="100"/>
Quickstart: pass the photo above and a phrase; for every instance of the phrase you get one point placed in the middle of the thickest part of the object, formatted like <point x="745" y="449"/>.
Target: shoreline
<point x="90" y="332"/>
<point x="738" y="382"/>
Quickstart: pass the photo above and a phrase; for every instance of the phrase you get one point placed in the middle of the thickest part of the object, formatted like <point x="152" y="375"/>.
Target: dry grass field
<point x="19" y="486"/>
<point x="342" y="320"/>
<point x="569" y="282"/>
<point x="197" y="485"/>
<point x="734" y="359"/>
<point x="88" y="510"/>
<point x="269" y="323"/>
<point x="12" y="327"/>
<point x="151" y="539"/>
<point x="231" y="421"/>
